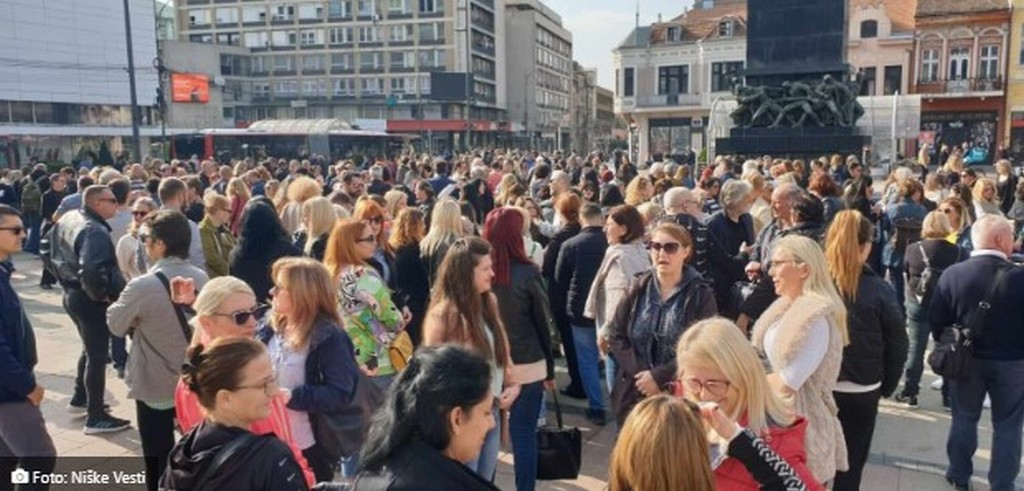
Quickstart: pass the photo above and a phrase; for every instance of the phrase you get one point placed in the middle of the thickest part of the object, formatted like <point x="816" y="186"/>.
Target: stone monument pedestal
<point x="808" y="141"/>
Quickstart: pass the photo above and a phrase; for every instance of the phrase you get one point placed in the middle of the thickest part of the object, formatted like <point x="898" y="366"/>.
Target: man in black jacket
<point x="997" y="367"/>
<point x="577" y="265"/>
<point x="84" y="262"/>
<point x="24" y="440"/>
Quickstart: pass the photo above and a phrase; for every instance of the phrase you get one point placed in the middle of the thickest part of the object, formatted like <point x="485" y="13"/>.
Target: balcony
<point x="967" y="86"/>
<point x="668" y="100"/>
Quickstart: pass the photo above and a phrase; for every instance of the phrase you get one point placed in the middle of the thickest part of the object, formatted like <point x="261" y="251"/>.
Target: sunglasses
<point x="668" y="247"/>
<point x="242" y="316"/>
<point x="378" y="220"/>
<point x="15" y="230"/>
<point x="140" y="213"/>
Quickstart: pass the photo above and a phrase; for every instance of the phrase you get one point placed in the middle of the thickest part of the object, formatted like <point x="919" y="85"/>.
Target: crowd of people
<point x="385" y="320"/>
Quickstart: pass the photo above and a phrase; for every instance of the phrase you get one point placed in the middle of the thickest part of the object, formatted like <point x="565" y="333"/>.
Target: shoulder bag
<point x="186" y="329"/>
<point x="342" y="433"/>
<point x="559" y="449"/>
<point x="953" y="353"/>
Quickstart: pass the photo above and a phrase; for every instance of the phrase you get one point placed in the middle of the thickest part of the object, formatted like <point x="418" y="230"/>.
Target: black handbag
<point x="559" y="449"/>
<point x="342" y="433"/>
<point x="738" y="294"/>
<point x="953" y="353"/>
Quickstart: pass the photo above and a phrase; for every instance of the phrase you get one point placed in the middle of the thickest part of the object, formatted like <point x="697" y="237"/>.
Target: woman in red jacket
<point x="718" y="365"/>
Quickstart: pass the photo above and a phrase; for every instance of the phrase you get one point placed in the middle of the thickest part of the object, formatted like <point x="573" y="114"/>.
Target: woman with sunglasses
<point x="370" y="316"/>
<point x="383" y="259"/>
<point x="145" y="312"/>
<point x="226" y="308"/>
<point x="746" y="422"/>
<point x="464" y="310"/>
<point x="956" y="211"/>
<point x="127" y="251"/>
<point x="313" y="358"/>
<point x="659" y="306"/>
<point x="217" y="239"/>
<point x="234" y="382"/>
<point x="802" y="335"/>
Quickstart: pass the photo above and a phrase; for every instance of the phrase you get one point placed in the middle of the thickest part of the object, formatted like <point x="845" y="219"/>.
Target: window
<point x="893" y="79"/>
<point x="344" y="86"/>
<point x="432" y="31"/>
<point x="254" y="14"/>
<point x="311" y="37"/>
<point x="260" y="64"/>
<point x="398" y="86"/>
<point x="725" y="29"/>
<point x="199" y="17"/>
<point x="227" y="16"/>
<point x="988" y="69"/>
<point x="673" y="79"/>
<point x="370" y="61"/>
<point x="400" y="34"/>
<point x="929" y="65"/>
<point x="959" y="63"/>
<point x="228" y="38"/>
<point x="402" y="59"/>
<point x="723" y="73"/>
<point x="339" y="35"/>
<point x="369" y="35"/>
<point x="261" y="89"/>
<point x="868" y="82"/>
<point x="286" y="87"/>
<point x="282" y="12"/>
<point x="430" y="6"/>
<point x="1021" y="61"/>
<point x="312" y="62"/>
<point x="618" y="86"/>
<point x="425" y="84"/>
<point x="256" y="39"/>
<point x="341" y="61"/>
<point x="311" y="11"/>
<point x="432" y="58"/>
<point x="201" y="38"/>
<point x="627" y="82"/>
<point x="314" y="87"/>
<point x="397" y="6"/>
<point x="339" y="9"/>
<point x="869" y="29"/>
<point x="373" y="86"/>
<point x="282" y="38"/>
<point x="674" y="34"/>
<point x="284" y="63"/>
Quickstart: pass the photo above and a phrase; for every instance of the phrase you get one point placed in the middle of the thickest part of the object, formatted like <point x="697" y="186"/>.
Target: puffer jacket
<point x="734" y="472"/>
<point x="82" y="255"/>
<point x="878" y="339"/>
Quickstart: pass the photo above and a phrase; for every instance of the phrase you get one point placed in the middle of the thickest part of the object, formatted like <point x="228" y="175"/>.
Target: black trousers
<point x="320" y="463"/>
<point x="156" y="432"/>
<point x="858" y="413"/>
<point x="569" y="350"/>
<point x="90" y="318"/>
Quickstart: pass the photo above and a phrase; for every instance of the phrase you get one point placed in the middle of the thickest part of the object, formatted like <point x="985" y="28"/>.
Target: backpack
<point x="929" y="279"/>
<point x="905" y="230"/>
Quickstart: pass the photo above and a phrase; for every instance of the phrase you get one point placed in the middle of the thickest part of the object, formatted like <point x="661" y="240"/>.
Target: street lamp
<point x="136" y="143"/>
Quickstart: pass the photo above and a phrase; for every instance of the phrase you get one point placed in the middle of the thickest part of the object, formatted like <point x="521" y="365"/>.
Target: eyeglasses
<point x="669" y="247"/>
<point x="269" y="387"/>
<point x="140" y="213"/>
<point x="242" y="316"/>
<point x="778" y="264"/>
<point x="946" y="210"/>
<point x="15" y="230"/>
<point x="377" y="219"/>
<point x="369" y="240"/>
<point x="716" y="388"/>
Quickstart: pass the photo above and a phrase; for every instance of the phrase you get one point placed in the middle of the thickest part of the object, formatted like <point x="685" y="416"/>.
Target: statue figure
<point x="801" y="101"/>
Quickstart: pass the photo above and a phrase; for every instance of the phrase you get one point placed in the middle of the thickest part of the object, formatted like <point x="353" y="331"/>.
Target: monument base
<point x="810" y="142"/>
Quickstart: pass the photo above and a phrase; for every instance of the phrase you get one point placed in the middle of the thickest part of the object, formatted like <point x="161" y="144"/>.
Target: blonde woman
<point x="802" y="335"/>
<point x="1006" y="185"/>
<point x="318" y="217"/>
<point x="639" y="191"/>
<point x="312" y="357"/>
<point x="238" y="193"/>
<point x="718" y="366"/>
<point x="505" y="190"/>
<point x="984" y="196"/>
<point x="217" y="238"/>
<point x="445" y="229"/>
<point x="394" y="202"/>
<point x="935" y="187"/>
<point x="298" y="191"/>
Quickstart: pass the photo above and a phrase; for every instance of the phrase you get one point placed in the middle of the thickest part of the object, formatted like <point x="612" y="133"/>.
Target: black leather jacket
<point x="82" y="256"/>
<point x="524" y="310"/>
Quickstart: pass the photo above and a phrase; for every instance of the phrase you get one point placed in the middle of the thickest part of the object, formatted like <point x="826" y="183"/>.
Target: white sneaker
<point x="937" y="384"/>
<point x="988" y="402"/>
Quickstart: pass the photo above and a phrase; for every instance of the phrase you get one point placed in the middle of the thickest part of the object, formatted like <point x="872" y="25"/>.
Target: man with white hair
<point x="997" y="368"/>
<point x="683" y="207"/>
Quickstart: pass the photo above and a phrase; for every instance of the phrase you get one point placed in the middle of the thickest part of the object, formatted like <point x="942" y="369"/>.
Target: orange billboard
<point x="190" y="87"/>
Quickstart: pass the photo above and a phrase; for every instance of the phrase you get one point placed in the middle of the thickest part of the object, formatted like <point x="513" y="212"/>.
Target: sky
<point x="598" y="26"/>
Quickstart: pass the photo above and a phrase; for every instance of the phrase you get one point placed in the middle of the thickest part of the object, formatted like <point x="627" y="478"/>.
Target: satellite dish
<point x="218" y="81"/>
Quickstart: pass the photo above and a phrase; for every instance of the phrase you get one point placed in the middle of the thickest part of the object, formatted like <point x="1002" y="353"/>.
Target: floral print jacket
<point x="370" y="316"/>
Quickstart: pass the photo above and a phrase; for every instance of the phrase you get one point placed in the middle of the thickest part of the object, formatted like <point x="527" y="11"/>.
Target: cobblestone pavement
<point x="908" y="452"/>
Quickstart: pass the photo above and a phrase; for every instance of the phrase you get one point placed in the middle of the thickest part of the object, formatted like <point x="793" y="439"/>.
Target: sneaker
<point x="936" y="385"/>
<point x="81" y="410"/>
<point x="909" y="401"/>
<point x="597" y="417"/>
<point x="988" y="402"/>
<point x="958" y="487"/>
<point x="105" y="424"/>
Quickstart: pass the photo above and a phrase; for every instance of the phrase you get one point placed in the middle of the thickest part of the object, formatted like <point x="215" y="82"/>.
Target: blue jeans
<point x="522" y="428"/>
<point x="585" y="340"/>
<point x="1004" y="383"/>
<point x="918" y="330"/>
<point x="896" y="280"/>
<point x="32" y="223"/>
<point x="485" y="464"/>
<point x="609" y="371"/>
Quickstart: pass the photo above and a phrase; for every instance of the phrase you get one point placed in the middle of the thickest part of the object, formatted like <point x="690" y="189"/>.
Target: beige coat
<point x="825" y="445"/>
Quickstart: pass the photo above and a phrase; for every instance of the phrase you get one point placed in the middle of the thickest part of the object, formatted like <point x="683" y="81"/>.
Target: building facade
<point x="881" y="44"/>
<point x="670" y="74"/>
<point x="593" y="112"/>
<point x="1014" y="132"/>
<point x="960" y="53"/>
<point x="370" y="60"/>
<point x="64" y="89"/>
<point x="540" y="75"/>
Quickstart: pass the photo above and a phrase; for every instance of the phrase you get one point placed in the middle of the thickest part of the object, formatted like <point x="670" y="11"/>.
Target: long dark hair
<point x="504" y="230"/>
<point x="260" y="229"/>
<point x="437" y="380"/>
<point x="465" y="310"/>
